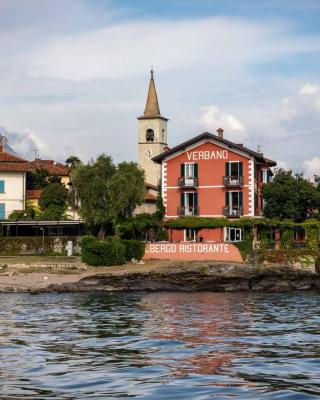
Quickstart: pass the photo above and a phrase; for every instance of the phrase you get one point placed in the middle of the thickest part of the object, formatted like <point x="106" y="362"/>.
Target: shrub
<point x="102" y="252"/>
<point x="91" y="251"/>
<point x="134" y="249"/>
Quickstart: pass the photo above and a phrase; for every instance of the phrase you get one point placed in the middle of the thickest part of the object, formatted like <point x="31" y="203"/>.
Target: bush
<point x="99" y="252"/>
<point x="134" y="249"/>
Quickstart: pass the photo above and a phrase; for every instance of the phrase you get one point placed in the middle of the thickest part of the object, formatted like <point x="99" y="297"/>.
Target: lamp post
<point x="42" y="250"/>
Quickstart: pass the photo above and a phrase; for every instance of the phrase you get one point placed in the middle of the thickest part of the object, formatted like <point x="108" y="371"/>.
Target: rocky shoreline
<point x="166" y="276"/>
<point x="195" y="276"/>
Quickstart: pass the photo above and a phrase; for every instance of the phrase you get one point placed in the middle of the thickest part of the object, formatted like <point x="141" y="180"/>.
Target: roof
<point x="150" y="197"/>
<point x="150" y="185"/>
<point x="207" y="135"/>
<point x="152" y="109"/>
<point x="51" y="166"/>
<point x="33" y="194"/>
<point x="14" y="167"/>
<point x="12" y="163"/>
<point x="8" y="157"/>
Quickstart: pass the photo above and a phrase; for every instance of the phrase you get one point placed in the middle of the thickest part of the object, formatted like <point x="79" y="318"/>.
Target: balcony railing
<point x="185" y="182"/>
<point x="232" y="212"/>
<point x="233" y="181"/>
<point x="182" y="211"/>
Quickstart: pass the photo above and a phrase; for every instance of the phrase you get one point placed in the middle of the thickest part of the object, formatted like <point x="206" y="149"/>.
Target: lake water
<point x="160" y="346"/>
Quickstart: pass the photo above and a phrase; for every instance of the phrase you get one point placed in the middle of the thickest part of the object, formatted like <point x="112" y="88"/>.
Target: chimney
<point x="220" y="133"/>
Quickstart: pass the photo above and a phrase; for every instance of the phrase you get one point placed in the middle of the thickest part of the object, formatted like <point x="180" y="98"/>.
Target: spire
<point x="152" y="106"/>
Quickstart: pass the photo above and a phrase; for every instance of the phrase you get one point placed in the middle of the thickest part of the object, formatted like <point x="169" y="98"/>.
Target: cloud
<point x="211" y="117"/>
<point x="74" y="76"/>
<point x="312" y="167"/>
<point x="309" y="89"/>
<point x="124" y="49"/>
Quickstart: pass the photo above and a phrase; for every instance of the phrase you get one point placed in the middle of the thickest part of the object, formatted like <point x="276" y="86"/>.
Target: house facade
<point x="210" y="176"/>
<point x="12" y="181"/>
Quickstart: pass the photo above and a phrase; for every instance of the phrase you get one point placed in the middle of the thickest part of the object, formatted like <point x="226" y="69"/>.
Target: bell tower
<point x="152" y="135"/>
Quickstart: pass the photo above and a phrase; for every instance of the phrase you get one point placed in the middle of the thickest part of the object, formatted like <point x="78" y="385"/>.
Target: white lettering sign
<point x="207" y="155"/>
<point x="201" y="248"/>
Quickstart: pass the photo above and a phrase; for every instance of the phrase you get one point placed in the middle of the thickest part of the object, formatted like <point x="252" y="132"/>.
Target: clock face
<point x="148" y="153"/>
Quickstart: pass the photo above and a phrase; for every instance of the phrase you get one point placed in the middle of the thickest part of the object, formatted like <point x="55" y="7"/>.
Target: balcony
<point x="233" y="181"/>
<point x="232" y="212"/>
<point x="183" y="211"/>
<point x="184" y="182"/>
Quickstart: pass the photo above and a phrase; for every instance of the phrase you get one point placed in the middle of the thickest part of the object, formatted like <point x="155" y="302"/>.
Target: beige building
<point x="152" y="141"/>
<point x="152" y="135"/>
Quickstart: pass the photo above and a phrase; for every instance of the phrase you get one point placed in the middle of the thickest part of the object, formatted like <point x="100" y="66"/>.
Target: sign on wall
<point x="193" y="251"/>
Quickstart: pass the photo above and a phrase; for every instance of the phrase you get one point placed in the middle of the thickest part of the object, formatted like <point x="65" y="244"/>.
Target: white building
<point x="12" y="181"/>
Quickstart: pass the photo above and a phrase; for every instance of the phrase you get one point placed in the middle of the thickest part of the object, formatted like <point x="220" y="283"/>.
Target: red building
<point x="209" y="176"/>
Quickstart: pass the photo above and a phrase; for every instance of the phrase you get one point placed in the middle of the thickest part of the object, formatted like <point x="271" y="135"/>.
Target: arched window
<point x="150" y="135"/>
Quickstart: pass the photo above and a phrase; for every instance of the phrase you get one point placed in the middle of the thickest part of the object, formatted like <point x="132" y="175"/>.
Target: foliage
<point x="28" y="214"/>
<point x="290" y="196"/>
<point x="102" y="252"/>
<point x="288" y="256"/>
<point x="141" y="226"/>
<point x="40" y="179"/>
<point x="107" y="192"/>
<point x="245" y="246"/>
<point x="53" y="202"/>
<point x="208" y="222"/>
<point x="134" y="249"/>
<point x="160" y="209"/>
<point x="12" y="246"/>
<point x="286" y="240"/>
<point x="73" y="162"/>
<point x="312" y="239"/>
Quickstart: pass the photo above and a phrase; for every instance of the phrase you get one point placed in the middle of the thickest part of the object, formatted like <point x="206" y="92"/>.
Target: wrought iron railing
<point x="233" y="181"/>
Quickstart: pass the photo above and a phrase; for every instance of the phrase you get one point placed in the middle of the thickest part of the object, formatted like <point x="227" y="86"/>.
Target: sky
<point x="74" y="75"/>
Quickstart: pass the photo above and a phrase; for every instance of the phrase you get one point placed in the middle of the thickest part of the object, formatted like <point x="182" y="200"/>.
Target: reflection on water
<point x="160" y="346"/>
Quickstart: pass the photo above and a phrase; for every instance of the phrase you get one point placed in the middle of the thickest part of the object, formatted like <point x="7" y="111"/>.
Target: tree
<point x="107" y="192"/>
<point x="290" y="196"/>
<point x="73" y="162"/>
<point x="37" y="179"/>
<point x="40" y="178"/>
<point x="53" y="202"/>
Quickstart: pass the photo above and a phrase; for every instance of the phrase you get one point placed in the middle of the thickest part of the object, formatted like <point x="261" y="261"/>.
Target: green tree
<point x="40" y="178"/>
<point x="37" y="179"/>
<point x="53" y="202"/>
<point x="73" y="162"/>
<point x="107" y="192"/>
<point x="290" y="196"/>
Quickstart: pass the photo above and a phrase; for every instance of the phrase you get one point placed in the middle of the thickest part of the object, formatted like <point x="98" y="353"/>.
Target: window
<point x="264" y="176"/>
<point x="233" y="234"/>
<point x="189" y="203"/>
<point x="1" y="186"/>
<point x="234" y="168"/>
<point x="234" y="200"/>
<point x="190" y="235"/>
<point x="150" y="135"/>
<point x="189" y="170"/>
<point x="2" y="210"/>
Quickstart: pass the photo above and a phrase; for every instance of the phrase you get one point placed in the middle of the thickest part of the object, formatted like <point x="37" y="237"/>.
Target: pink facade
<point x="209" y="176"/>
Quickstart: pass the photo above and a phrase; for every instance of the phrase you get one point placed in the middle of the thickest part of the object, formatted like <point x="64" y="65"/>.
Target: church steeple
<point x="152" y="135"/>
<point x="152" y="108"/>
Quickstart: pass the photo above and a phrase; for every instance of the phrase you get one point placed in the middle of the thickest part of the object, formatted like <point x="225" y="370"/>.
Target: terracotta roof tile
<point x="14" y="167"/>
<point x="150" y="197"/>
<point x="33" y="194"/>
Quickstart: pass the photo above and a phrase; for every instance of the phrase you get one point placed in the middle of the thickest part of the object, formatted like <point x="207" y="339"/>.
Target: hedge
<point x="97" y="252"/>
<point x="54" y="245"/>
<point x="134" y="249"/>
<point x="207" y="222"/>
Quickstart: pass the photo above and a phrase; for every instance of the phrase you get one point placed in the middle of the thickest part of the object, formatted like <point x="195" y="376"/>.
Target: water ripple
<point x="160" y="346"/>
